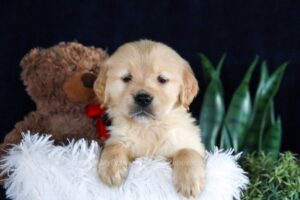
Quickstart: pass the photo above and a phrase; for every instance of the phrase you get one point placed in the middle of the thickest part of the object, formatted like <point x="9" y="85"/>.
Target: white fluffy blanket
<point x="41" y="171"/>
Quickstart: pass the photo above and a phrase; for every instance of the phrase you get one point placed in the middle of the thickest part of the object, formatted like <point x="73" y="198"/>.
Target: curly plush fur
<point x="40" y="170"/>
<point x="59" y="80"/>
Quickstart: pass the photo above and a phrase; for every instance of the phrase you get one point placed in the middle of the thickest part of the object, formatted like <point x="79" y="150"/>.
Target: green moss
<point x="271" y="178"/>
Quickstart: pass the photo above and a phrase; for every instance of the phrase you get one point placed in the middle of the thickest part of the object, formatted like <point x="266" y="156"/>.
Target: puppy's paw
<point x="113" y="165"/>
<point x="189" y="183"/>
<point x="113" y="172"/>
<point x="189" y="173"/>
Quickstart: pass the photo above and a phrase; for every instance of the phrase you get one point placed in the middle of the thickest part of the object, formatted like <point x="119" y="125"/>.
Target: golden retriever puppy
<point x="147" y="88"/>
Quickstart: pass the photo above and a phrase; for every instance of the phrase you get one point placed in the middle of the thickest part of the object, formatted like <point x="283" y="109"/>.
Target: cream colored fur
<point x="166" y="130"/>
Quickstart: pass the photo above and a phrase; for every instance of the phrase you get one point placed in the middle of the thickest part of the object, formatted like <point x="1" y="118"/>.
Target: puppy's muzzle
<point x="143" y="99"/>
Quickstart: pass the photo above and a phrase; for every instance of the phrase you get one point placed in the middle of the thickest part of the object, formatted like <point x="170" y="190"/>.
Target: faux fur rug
<point x="41" y="171"/>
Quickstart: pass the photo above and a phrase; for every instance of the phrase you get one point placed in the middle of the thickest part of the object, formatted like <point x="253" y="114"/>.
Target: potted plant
<point x="249" y="125"/>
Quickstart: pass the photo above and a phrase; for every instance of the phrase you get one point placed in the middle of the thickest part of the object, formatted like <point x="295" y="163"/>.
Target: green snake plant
<point x="248" y="124"/>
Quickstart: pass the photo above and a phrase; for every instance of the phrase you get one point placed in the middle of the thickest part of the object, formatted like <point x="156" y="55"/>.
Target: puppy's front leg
<point x="113" y="164"/>
<point x="188" y="172"/>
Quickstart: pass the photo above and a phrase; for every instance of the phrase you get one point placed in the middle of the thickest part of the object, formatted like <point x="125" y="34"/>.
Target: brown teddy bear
<point x="60" y="82"/>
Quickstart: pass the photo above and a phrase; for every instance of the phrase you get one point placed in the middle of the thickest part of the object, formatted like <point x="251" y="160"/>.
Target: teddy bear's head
<point x="60" y="78"/>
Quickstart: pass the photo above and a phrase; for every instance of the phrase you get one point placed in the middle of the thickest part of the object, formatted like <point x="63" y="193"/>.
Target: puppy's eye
<point x="127" y="78"/>
<point x="162" y="80"/>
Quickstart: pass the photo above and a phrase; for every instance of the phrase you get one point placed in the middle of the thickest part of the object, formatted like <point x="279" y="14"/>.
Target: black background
<point x="270" y="29"/>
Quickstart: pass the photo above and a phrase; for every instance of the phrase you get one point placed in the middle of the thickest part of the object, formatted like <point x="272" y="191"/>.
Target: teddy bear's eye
<point x="162" y="80"/>
<point x="127" y="78"/>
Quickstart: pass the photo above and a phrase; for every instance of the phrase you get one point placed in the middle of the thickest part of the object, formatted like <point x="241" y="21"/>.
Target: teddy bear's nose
<point x="88" y="80"/>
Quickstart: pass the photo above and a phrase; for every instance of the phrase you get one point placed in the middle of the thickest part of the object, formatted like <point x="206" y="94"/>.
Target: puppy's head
<point x="144" y="81"/>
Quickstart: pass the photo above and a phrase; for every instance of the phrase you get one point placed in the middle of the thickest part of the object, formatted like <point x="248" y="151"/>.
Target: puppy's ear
<point x="189" y="88"/>
<point x="100" y="85"/>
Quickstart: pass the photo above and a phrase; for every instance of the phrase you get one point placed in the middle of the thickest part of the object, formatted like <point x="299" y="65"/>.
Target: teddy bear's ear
<point x="28" y="62"/>
<point x="103" y="54"/>
<point x="100" y="86"/>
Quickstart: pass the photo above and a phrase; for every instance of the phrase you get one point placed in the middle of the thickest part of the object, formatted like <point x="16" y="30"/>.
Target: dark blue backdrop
<point x="243" y="29"/>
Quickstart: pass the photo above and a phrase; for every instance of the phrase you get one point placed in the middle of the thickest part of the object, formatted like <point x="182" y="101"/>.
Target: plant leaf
<point x="226" y="140"/>
<point x="208" y="68"/>
<point x="264" y="75"/>
<point x="239" y="112"/>
<point x="270" y="115"/>
<point x="254" y="132"/>
<point x="212" y="113"/>
<point x="220" y="64"/>
<point x="272" y="139"/>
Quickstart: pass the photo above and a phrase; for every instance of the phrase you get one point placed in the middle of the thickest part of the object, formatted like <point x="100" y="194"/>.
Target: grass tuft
<point x="272" y="178"/>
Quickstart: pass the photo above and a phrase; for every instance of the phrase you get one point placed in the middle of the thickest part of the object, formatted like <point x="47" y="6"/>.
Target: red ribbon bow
<point x="95" y="111"/>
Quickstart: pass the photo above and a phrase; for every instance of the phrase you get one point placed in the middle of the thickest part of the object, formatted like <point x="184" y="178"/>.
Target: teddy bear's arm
<point x="33" y="122"/>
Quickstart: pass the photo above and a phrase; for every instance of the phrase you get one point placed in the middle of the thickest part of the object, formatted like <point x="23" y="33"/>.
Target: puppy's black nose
<point x="143" y="99"/>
